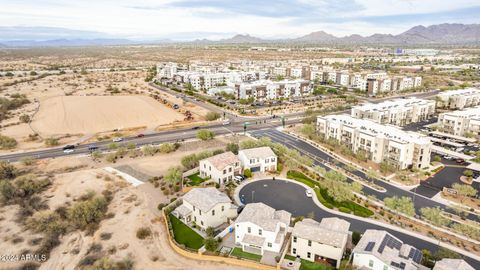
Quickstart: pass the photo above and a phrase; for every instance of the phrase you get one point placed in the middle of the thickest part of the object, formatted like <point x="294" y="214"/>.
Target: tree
<point x="148" y="150"/>
<point x="468" y="230"/>
<point x="468" y="173"/>
<point x="371" y="175"/>
<point x="232" y="147"/>
<point x="308" y="130"/>
<point x="464" y="190"/>
<point x="434" y="216"/>
<point x="403" y="205"/>
<point x="210" y="231"/>
<point x="211" y="244"/>
<point x="337" y="186"/>
<point x="205" y="134"/>
<point x="437" y="158"/>
<point x="166" y="148"/>
<point x="211" y="116"/>
<point x="173" y="175"/>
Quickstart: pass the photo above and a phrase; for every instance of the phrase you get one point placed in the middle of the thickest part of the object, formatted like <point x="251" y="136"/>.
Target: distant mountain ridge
<point x="435" y="34"/>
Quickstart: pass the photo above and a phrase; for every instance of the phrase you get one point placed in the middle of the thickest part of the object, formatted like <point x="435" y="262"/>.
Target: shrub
<point x="7" y="170"/>
<point x="27" y="161"/>
<point x="167" y="148"/>
<point x="210" y="231"/>
<point x="232" y="147"/>
<point x="211" y="116"/>
<point x="24" y="118"/>
<point x="143" y="233"/>
<point x="7" y="143"/>
<point x="205" y="134"/>
<point x="248" y="173"/>
<point x="344" y="210"/>
<point x="211" y="244"/>
<point x="87" y="213"/>
<point x="51" y="141"/>
<point x="160" y="206"/>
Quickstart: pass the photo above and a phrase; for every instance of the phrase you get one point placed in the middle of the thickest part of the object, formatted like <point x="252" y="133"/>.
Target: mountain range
<point x="435" y="34"/>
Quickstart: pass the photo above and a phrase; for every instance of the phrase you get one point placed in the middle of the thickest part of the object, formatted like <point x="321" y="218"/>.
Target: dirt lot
<point x="92" y="114"/>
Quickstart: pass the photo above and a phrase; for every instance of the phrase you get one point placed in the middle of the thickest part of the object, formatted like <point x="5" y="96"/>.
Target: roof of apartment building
<point x="205" y="198"/>
<point x="335" y="224"/>
<point x="452" y="264"/>
<point x="259" y="152"/>
<point x="222" y="160"/>
<point x="389" y="249"/>
<point x="377" y="130"/>
<point x="394" y="104"/>
<point x="473" y="112"/>
<point x="264" y="216"/>
<point x="460" y="92"/>
<point x="325" y="234"/>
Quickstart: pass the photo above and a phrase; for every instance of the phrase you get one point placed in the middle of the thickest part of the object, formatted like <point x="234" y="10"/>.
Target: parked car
<point x="226" y="122"/>
<point x="196" y="127"/>
<point x="448" y="157"/>
<point x="238" y="178"/>
<point x="309" y="193"/>
<point x="68" y="147"/>
<point x="140" y="135"/>
<point x="460" y="161"/>
<point x="68" y="151"/>
<point x="118" y="139"/>
<point x="176" y="106"/>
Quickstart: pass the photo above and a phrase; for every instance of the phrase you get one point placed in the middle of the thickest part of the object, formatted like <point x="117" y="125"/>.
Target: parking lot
<point x="419" y="125"/>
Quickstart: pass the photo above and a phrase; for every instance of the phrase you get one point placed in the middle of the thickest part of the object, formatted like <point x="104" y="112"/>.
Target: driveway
<point x="288" y="196"/>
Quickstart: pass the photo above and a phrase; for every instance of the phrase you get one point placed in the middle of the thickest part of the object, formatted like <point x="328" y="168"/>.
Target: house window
<point x="224" y="171"/>
<point x="294" y="239"/>
<point x="269" y="245"/>
<point x="370" y="263"/>
<point x="194" y="209"/>
<point x="223" y="208"/>
<point x="259" y="231"/>
<point x="309" y="255"/>
<point x="213" y="212"/>
<point x="309" y="243"/>
<point x="230" y="169"/>
<point x="201" y="222"/>
<point x="249" y="230"/>
<point x="294" y="251"/>
<point x="199" y="212"/>
<point x="195" y="219"/>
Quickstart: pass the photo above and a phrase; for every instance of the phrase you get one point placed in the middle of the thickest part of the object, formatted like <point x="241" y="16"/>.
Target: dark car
<point x="195" y="127"/>
<point x="92" y="147"/>
<point x="68" y="146"/>
<point x="140" y="135"/>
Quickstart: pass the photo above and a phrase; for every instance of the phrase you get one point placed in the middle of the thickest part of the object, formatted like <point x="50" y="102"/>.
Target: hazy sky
<point x="214" y="19"/>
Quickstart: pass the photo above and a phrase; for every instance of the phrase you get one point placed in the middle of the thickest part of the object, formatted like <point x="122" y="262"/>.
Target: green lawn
<point x="185" y="235"/>
<point x="238" y="252"/>
<point x="195" y="179"/>
<point x="290" y="257"/>
<point x="328" y="201"/>
<point x="307" y="265"/>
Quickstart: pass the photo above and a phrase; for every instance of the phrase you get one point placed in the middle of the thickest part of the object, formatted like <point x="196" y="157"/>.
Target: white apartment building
<point x="266" y="89"/>
<point x="330" y="76"/>
<point x="459" y="99"/>
<point x="167" y="70"/>
<point x="452" y="264"/>
<point x="460" y="123"/>
<point x="221" y="168"/>
<point x="205" y="207"/>
<point x="342" y="78"/>
<point x="261" y="159"/>
<point x="261" y="228"/>
<point x="397" y="112"/>
<point x="296" y="72"/>
<point x="323" y="242"/>
<point x="381" y="143"/>
<point x="376" y="76"/>
<point x="379" y="250"/>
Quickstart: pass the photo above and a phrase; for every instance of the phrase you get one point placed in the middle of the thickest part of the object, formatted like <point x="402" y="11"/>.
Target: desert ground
<point x="74" y="106"/>
<point x="131" y="208"/>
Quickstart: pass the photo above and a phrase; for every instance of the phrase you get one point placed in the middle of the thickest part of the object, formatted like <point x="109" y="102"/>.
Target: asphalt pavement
<point x="283" y="195"/>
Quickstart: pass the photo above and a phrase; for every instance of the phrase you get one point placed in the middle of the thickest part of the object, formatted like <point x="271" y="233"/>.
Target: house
<point x="221" y="168"/>
<point x="452" y="264"/>
<point x="261" y="228"/>
<point x="379" y="250"/>
<point x="324" y="242"/>
<point x="205" y="207"/>
<point x="259" y="159"/>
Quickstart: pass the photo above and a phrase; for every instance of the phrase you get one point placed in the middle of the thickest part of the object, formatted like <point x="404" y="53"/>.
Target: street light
<point x="253" y="194"/>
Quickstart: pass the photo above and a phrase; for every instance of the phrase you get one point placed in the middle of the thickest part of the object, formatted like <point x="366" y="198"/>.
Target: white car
<point x="238" y="178"/>
<point x="309" y="193"/>
<point x="226" y="123"/>
<point x="117" y="139"/>
<point x="68" y="151"/>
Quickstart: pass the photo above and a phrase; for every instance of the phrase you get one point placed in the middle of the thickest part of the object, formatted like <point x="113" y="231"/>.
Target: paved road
<point x="320" y="157"/>
<point x="283" y="195"/>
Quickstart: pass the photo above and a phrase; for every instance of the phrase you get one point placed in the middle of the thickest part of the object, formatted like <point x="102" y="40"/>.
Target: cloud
<point x="187" y="19"/>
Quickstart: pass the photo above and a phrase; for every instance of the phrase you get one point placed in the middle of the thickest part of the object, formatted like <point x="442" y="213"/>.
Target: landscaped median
<point x="326" y="200"/>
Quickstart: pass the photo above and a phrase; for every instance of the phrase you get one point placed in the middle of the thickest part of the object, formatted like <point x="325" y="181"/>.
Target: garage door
<point x="255" y="169"/>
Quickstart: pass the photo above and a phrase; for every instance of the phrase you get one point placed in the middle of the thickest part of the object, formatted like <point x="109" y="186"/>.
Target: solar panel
<point x="369" y="246"/>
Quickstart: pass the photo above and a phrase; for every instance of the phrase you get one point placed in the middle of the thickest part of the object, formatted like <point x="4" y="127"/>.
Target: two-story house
<point x="259" y="159"/>
<point x="261" y="228"/>
<point x="206" y="207"/>
<point x="221" y="168"/>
